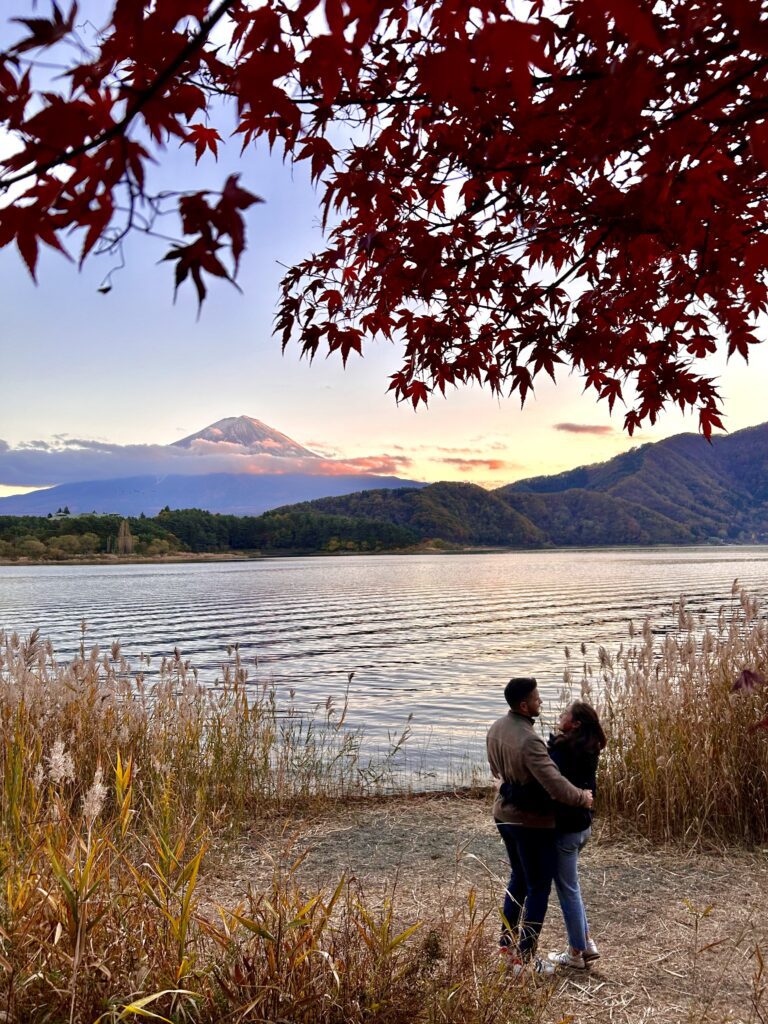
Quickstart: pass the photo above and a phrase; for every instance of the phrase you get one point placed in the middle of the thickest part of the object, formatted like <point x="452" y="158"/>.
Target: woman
<point x="575" y="750"/>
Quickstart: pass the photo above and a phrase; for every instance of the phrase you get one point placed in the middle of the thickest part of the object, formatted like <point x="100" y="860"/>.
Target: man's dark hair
<point x="518" y="689"/>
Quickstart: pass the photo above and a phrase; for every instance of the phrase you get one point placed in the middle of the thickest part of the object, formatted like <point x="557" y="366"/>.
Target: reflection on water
<point x="435" y="636"/>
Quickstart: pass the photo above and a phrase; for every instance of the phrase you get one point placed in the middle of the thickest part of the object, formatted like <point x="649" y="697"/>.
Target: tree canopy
<point x="507" y="187"/>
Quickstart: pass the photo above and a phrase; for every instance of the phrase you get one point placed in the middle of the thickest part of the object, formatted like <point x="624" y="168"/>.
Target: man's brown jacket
<point x="516" y="753"/>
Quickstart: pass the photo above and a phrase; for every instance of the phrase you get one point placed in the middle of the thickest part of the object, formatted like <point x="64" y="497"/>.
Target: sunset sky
<point x="132" y="368"/>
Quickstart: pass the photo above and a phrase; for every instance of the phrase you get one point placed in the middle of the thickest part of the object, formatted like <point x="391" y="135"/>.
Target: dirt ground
<point x="679" y="933"/>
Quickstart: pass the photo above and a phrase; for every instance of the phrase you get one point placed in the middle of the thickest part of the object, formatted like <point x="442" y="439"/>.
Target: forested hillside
<point x="459" y="513"/>
<point x="716" y="491"/>
<point x="581" y="518"/>
<point x="468" y="515"/>
<point x="682" y="490"/>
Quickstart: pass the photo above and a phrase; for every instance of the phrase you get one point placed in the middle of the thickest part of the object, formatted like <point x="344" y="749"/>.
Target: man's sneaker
<point x="534" y="965"/>
<point x="539" y="966"/>
<point x="591" y="952"/>
<point x="511" y="958"/>
<point x="568" y="959"/>
<point x="516" y="967"/>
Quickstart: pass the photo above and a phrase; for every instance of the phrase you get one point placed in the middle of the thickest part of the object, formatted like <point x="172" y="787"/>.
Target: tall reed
<point x="114" y="790"/>
<point x="684" y="761"/>
<point x="225" y="748"/>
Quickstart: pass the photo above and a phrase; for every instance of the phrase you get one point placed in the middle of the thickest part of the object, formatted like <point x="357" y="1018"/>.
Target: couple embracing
<point x="543" y="813"/>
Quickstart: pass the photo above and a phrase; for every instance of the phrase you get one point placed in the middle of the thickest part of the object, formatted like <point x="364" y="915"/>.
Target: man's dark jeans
<point x="533" y="858"/>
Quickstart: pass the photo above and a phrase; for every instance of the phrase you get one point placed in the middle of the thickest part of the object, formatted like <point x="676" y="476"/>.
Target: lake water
<point x="435" y="636"/>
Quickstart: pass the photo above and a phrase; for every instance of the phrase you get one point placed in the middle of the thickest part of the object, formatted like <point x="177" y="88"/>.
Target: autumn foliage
<point x="506" y="188"/>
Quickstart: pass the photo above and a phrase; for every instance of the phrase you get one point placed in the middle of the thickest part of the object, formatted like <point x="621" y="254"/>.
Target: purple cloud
<point x="584" y="428"/>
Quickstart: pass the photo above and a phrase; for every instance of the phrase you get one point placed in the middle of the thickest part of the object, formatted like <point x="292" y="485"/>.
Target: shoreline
<point x="242" y="859"/>
<point x="258" y="556"/>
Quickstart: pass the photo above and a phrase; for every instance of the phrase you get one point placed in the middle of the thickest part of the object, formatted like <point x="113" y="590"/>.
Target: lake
<point x="434" y="636"/>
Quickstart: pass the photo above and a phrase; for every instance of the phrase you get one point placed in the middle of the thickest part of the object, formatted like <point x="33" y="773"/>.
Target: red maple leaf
<point x="45" y="31"/>
<point x="202" y="137"/>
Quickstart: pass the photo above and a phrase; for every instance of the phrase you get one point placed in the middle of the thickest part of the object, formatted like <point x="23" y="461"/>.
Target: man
<point x="518" y="756"/>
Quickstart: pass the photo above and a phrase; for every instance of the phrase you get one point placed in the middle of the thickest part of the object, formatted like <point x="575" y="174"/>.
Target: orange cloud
<point x="468" y="465"/>
<point x="380" y="465"/>
<point x="323" y="449"/>
<point x="476" y="444"/>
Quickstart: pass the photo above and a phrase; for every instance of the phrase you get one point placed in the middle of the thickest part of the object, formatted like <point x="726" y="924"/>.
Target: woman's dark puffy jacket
<point x="578" y="765"/>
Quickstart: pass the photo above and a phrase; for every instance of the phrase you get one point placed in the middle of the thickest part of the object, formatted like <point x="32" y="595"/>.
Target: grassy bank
<point x="117" y="792"/>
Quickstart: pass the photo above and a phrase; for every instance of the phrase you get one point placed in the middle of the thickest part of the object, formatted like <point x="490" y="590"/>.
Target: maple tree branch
<point x="340" y="101"/>
<point x="32" y="63"/>
<point x="363" y="101"/>
<point x="702" y="101"/>
<point x="144" y="97"/>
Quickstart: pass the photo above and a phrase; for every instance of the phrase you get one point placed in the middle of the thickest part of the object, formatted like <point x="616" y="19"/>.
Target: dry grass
<point x="684" y="763"/>
<point x="679" y="932"/>
<point x="115" y="792"/>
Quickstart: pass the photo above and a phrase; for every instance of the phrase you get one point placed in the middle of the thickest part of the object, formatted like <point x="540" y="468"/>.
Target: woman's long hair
<point x="589" y="736"/>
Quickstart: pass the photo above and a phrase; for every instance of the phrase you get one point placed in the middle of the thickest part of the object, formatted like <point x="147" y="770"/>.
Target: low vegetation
<point x="118" y="785"/>
<point x="64" y="537"/>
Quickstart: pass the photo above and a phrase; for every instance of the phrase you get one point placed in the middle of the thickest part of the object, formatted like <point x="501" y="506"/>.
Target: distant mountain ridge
<point x="243" y="494"/>
<point x="716" y="491"/>
<point x="681" y="490"/>
<point x="249" y="433"/>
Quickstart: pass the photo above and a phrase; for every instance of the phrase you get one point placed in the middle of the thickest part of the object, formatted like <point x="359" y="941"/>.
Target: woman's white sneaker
<point x="539" y="966"/>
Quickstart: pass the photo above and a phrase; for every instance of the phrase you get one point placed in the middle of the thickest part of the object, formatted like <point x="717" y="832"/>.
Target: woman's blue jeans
<point x="569" y="845"/>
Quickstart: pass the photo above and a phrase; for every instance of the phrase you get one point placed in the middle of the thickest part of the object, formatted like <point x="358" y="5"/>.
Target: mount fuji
<point x="237" y="466"/>
<point x="248" y="433"/>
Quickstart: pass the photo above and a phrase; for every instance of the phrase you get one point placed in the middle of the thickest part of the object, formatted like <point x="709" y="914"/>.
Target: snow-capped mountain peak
<point x="250" y="433"/>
